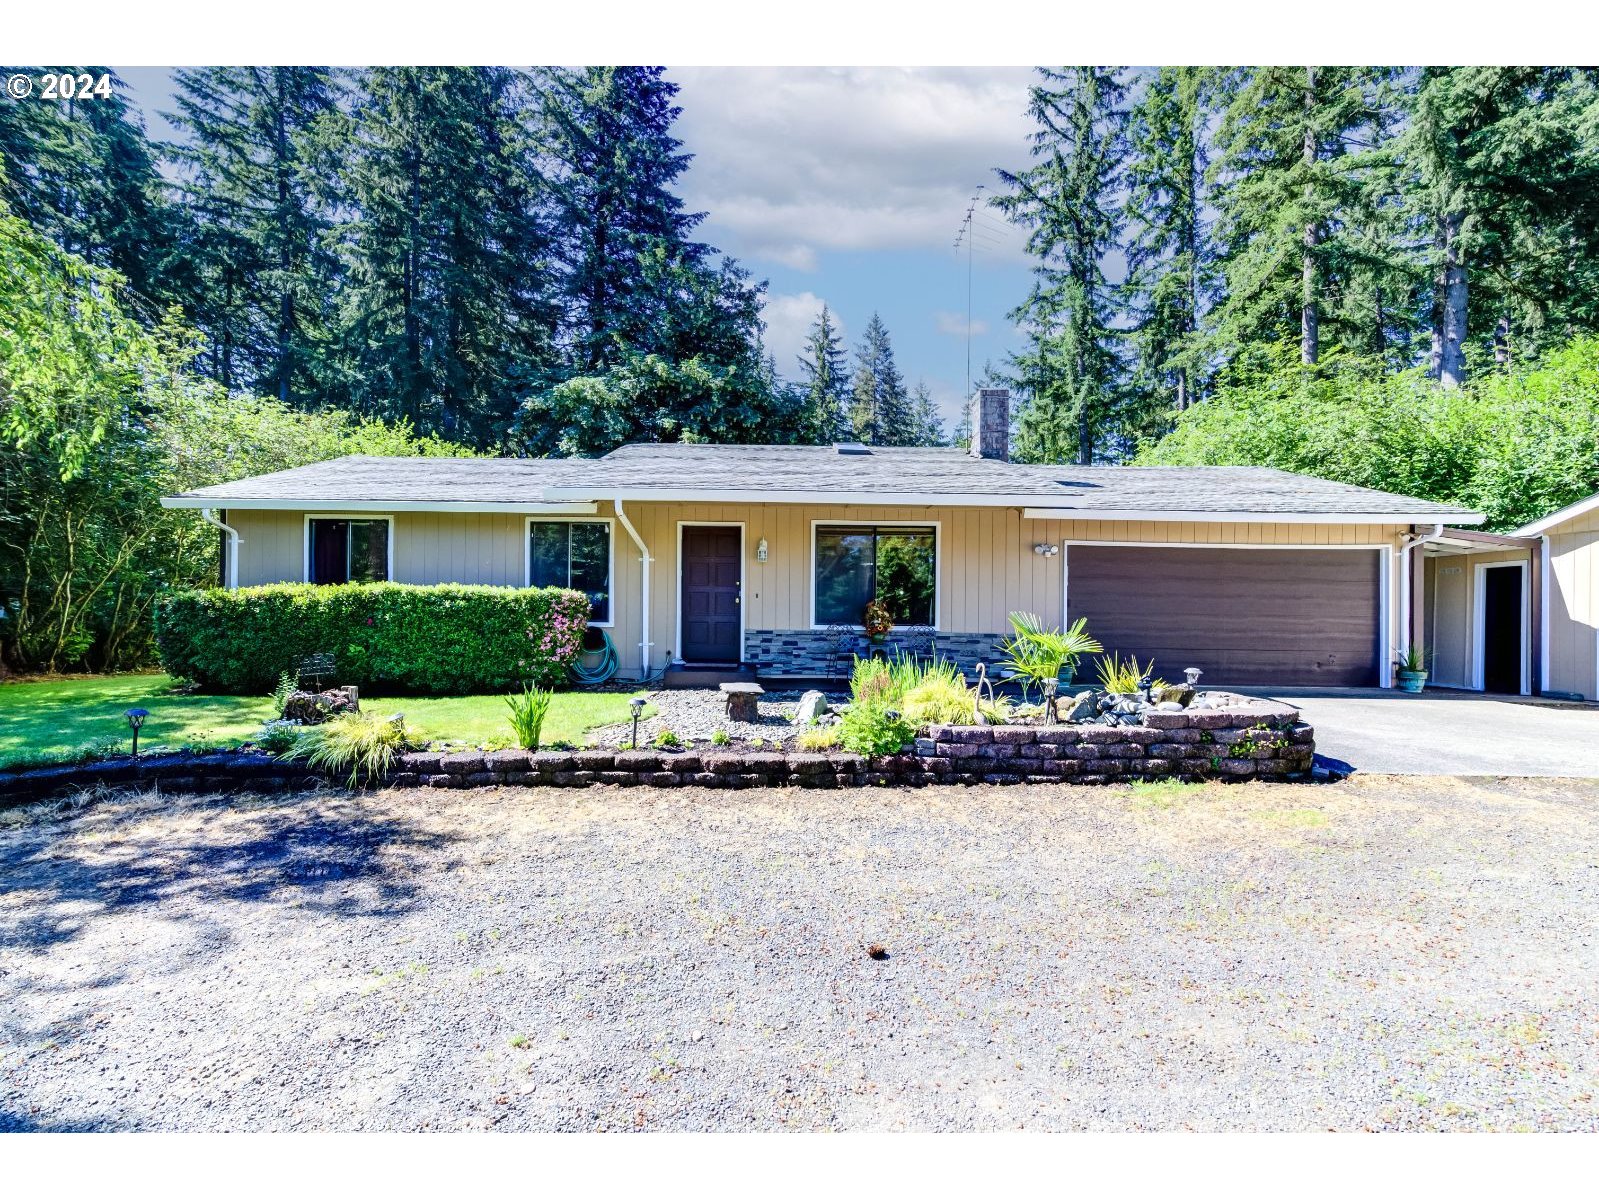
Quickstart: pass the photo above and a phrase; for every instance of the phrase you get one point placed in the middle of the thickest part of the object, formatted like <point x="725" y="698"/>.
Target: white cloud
<point x="788" y="321"/>
<point x="789" y="161"/>
<point x="953" y="324"/>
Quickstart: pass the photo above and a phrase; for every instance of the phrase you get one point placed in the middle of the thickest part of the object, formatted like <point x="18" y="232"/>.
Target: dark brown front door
<point x="1268" y="617"/>
<point x="712" y="578"/>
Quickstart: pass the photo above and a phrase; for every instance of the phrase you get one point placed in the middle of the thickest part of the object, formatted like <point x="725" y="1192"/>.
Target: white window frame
<point x="610" y="563"/>
<point x="743" y="571"/>
<point x="1479" y="623"/>
<point x="938" y="561"/>
<point x="305" y="574"/>
<point x="1386" y="600"/>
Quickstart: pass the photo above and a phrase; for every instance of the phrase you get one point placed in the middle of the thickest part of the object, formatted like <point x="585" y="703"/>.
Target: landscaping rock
<point x="812" y="705"/>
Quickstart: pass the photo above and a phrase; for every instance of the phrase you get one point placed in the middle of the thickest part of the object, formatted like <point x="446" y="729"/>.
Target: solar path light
<point x="135" y="721"/>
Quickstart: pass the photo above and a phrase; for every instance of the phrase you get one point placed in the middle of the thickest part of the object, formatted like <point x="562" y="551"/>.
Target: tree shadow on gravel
<point x="326" y="855"/>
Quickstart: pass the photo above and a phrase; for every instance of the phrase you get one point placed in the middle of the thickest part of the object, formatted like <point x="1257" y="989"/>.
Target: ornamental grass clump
<point x="364" y="744"/>
<point x="528" y="711"/>
<point x="1123" y="677"/>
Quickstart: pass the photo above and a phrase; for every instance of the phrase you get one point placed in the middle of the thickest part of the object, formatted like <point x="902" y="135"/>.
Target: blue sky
<point x="844" y="186"/>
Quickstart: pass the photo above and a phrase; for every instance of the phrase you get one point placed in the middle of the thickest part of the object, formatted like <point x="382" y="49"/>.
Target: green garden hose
<point x="601" y="671"/>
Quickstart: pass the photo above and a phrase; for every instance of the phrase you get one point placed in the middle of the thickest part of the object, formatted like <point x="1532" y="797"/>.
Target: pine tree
<point x="256" y="180"/>
<point x="1067" y="200"/>
<point x="880" y="412"/>
<point x="1287" y="174"/>
<point x="824" y="380"/>
<point x="445" y="313"/>
<point x="925" y="418"/>
<point x="83" y="173"/>
<point x="1172" y="272"/>
<point x="1506" y="175"/>
<point x="612" y="159"/>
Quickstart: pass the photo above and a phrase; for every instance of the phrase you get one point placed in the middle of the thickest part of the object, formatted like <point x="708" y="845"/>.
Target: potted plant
<point x="1413" y="668"/>
<point x="877" y="622"/>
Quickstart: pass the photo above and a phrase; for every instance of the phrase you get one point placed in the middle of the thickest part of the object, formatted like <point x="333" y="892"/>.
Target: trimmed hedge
<point x="448" y="639"/>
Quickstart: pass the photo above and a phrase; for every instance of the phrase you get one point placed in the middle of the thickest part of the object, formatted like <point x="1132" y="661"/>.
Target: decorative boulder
<point x="812" y="706"/>
<point x="1077" y="708"/>
<point x="1173" y="693"/>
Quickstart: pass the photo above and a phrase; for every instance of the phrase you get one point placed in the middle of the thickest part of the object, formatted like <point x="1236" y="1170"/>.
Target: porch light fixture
<point x="637" y="704"/>
<point x="1045" y="550"/>
<point x="760" y="550"/>
<point x="135" y="720"/>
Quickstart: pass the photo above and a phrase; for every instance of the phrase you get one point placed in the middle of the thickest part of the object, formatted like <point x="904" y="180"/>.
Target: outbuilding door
<point x="1246" y="617"/>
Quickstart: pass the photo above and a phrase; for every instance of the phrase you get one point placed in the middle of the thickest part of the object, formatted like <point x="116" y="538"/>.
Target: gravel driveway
<point x="1383" y="954"/>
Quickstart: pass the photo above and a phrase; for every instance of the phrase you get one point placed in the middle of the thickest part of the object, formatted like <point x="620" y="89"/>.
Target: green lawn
<point x="41" y="720"/>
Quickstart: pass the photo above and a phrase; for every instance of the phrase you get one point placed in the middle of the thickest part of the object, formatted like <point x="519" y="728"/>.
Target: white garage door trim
<point x="1385" y="601"/>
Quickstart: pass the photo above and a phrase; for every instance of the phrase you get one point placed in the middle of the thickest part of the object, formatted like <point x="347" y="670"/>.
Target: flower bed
<point x="1248" y="739"/>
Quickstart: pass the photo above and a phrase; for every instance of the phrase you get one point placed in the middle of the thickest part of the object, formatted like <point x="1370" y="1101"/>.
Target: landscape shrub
<point x="822" y="738"/>
<point x="873" y="728"/>
<point x="940" y="701"/>
<point x="446" y="639"/>
<point x="363" y="743"/>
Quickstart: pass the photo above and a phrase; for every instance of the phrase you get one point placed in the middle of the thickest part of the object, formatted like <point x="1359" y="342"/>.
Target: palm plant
<point x="1036" y="654"/>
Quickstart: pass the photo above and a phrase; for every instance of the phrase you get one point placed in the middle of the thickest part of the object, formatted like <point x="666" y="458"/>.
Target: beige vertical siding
<point x="1451" y="615"/>
<point x="986" y="564"/>
<point x="429" y="547"/>
<point x="1574" y="606"/>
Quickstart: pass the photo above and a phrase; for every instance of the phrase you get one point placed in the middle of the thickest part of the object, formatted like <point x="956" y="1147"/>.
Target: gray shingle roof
<point x="795" y="474"/>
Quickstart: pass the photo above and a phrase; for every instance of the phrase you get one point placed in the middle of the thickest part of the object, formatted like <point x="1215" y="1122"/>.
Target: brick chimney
<point x="991" y="424"/>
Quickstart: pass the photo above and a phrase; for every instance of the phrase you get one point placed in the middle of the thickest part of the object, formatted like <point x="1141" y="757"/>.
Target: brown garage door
<point x="1244" y="617"/>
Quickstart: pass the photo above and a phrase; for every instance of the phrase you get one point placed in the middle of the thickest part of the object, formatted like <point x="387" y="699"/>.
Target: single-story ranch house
<point x="766" y="556"/>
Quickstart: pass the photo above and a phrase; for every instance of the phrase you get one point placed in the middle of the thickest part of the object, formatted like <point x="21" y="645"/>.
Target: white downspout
<point x="1545" y="575"/>
<point x="645" y="645"/>
<point x="1410" y="542"/>
<point x="234" y="541"/>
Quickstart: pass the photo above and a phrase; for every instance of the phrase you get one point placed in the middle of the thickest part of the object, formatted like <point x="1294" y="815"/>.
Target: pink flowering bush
<point x="448" y="639"/>
<point x="560" y="637"/>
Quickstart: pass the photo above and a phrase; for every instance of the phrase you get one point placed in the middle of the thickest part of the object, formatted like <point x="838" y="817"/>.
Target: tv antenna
<point x="975" y="232"/>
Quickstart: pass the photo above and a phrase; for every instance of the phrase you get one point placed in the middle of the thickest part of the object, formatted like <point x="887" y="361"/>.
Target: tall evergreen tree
<point x="257" y="180"/>
<point x="1287" y="170"/>
<point x="1172" y="272"/>
<point x="824" y="380"/>
<point x="611" y="160"/>
<point x="925" y="418"/>
<point x="1067" y="200"/>
<point x="445" y="313"/>
<point x="1507" y="178"/>
<point x="82" y="172"/>
<point x="880" y="412"/>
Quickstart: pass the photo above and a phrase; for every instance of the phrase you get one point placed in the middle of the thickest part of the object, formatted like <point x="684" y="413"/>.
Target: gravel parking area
<point x="1380" y="954"/>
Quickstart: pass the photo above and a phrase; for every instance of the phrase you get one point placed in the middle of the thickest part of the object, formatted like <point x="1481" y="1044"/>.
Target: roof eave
<point x="1241" y="516"/>
<point x="1569" y="512"/>
<point x="328" y="504"/>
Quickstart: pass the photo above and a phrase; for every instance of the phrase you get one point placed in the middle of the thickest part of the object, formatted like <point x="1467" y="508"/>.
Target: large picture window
<point x="575" y="554"/>
<point x="347" y="550"/>
<point x="856" y="564"/>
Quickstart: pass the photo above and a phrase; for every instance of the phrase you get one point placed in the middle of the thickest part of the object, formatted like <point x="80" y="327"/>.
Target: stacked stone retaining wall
<point x="1264" y="741"/>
